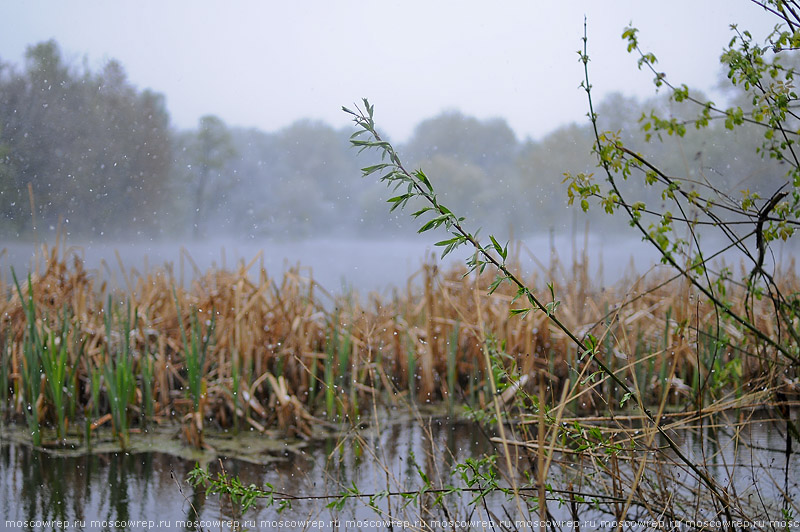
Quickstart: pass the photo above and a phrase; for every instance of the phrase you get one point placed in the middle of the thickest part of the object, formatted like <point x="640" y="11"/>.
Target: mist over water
<point x="365" y="265"/>
<point x="295" y="195"/>
<point x="336" y="264"/>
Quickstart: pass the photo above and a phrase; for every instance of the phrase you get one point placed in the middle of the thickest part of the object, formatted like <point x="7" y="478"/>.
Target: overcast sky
<point x="267" y="64"/>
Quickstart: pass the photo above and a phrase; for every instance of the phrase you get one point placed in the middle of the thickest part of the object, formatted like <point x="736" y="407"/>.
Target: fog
<point x="265" y="64"/>
<point x="88" y="154"/>
<point x="338" y="265"/>
<point x="364" y="265"/>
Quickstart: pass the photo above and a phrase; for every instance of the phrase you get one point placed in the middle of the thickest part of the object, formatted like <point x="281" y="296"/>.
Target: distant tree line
<point x="99" y="157"/>
<point x="94" y="151"/>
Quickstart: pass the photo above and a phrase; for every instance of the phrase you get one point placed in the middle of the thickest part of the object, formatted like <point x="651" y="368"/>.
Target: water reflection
<point x="113" y="487"/>
<point x="121" y="487"/>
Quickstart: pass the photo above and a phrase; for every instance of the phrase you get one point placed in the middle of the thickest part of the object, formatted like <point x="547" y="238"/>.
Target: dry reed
<point x="266" y="363"/>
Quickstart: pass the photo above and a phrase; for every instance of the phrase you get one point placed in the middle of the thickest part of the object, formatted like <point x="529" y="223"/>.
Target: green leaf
<point x="503" y="252"/>
<point x="432" y="224"/>
<point x="374" y="168"/>
<point x="521" y="312"/>
<point x="424" y="179"/>
<point x="624" y="399"/>
<point x="550" y="308"/>
<point x="398" y="201"/>
<point x="449" y="241"/>
<point x="497" y="282"/>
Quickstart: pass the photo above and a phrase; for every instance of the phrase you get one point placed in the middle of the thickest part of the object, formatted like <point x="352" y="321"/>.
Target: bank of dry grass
<point x="283" y="351"/>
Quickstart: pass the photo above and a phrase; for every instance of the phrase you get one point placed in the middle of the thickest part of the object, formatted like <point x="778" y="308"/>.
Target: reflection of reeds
<point x="240" y="346"/>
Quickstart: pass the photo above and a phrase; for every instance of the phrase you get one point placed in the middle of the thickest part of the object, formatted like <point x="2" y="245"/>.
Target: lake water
<point x="126" y="491"/>
<point x="337" y="263"/>
<point x="144" y="486"/>
<point x="368" y="265"/>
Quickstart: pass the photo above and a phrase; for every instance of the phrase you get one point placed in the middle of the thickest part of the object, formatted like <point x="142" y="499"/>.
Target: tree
<point x="125" y="155"/>
<point x="474" y="162"/>
<point x="488" y="144"/>
<point x="10" y="191"/>
<point x="35" y="115"/>
<point x="210" y="151"/>
<point x="310" y="180"/>
<point x="94" y="150"/>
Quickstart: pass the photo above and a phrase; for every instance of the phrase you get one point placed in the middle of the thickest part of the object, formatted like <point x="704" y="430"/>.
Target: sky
<point x="266" y="64"/>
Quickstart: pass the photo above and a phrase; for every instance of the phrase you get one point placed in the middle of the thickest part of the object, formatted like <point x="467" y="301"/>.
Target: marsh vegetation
<point x="238" y="351"/>
<point x="666" y="400"/>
